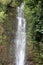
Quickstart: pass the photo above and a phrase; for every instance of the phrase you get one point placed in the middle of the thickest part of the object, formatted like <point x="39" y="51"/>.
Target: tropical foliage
<point x="34" y="15"/>
<point x="33" y="11"/>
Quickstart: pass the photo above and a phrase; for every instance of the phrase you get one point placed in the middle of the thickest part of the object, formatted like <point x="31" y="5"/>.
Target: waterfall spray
<point x="20" y="41"/>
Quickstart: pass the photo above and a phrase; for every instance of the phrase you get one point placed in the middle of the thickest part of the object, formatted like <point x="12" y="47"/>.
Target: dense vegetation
<point x="5" y="7"/>
<point x="34" y="17"/>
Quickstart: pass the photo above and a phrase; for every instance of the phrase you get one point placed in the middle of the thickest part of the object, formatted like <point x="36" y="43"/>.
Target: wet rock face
<point x="9" y="26"/>
<point x="29" y="53"/>
<point x="10" y="29"/>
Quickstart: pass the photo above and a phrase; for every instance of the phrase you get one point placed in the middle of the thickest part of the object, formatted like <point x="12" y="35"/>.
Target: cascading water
<point x="20" y="41"/>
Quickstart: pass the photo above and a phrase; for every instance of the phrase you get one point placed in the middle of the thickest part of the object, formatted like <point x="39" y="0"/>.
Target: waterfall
<point x="20" y="41"/>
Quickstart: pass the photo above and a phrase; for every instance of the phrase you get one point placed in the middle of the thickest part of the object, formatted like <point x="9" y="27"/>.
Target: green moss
<point x="0" y="64"/>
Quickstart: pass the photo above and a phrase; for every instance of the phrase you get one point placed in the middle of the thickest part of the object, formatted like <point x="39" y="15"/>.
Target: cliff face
<point x="8" y="26"/>
<point x="33" y="11"/>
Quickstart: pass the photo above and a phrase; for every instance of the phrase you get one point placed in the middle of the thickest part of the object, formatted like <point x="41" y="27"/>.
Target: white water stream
<point x="20" y="41"/>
